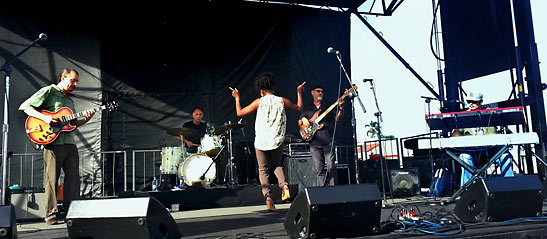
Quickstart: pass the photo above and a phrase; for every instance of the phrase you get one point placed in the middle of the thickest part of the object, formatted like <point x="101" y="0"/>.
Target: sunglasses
<point x="318" y="91"/>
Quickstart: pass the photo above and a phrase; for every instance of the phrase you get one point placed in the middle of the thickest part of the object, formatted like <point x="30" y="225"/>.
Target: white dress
<point x="270" y="123"/>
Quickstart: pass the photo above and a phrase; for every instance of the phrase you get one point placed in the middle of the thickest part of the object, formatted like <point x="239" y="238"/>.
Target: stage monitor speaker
<point x="131" y="218"/>
<point x="301" y="171"/>
<point x="501" y="198"/>
<point x="8" y="227"/>
<point x="405" y="182"/>
<point x="338" y="211"/>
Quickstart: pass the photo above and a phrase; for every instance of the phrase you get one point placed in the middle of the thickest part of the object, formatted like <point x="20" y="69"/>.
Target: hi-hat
<point x="186" y="132"/>
<point x="226" y="127"/>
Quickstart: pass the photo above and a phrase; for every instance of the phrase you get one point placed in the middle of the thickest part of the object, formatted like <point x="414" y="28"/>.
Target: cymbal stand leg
<point x="182" y="142"/>
<point x="230" y="167"/>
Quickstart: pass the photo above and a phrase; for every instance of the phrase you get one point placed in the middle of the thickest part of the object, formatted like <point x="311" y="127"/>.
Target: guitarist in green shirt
<point x="61" y="153"/>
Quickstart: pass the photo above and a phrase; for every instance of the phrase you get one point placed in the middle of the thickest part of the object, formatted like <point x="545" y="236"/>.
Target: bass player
<point x="61" y="153"/>
<point x="321" y="144"/>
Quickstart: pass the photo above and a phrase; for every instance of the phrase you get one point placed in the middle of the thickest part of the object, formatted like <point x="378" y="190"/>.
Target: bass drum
<point x="194" y="167"/>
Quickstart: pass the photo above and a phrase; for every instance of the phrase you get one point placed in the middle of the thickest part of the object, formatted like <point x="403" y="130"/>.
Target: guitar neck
<point x="82" y="114"/>
<point x="320" y="117"/>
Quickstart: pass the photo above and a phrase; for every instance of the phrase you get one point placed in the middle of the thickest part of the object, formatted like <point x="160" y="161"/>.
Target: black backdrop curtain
<point x="162" y="66"/>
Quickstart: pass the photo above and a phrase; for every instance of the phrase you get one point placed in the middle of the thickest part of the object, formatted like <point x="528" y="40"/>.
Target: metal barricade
<point x="390" y="150"/>
<point x="104" y="156"/>
<point x="154" y="154"/>
<point x="25" y="164"/>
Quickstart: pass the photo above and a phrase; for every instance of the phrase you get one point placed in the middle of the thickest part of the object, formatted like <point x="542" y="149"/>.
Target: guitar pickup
<point x="36" y="128"/>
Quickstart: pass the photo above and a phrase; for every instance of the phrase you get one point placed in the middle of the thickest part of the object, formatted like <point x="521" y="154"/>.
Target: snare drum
<point x="171" y="158"/>
<point x="194" y="167"/>
<point x="210" y="145"/>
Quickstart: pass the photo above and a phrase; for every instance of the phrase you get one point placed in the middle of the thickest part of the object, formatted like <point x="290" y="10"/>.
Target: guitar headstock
<point x="350" y="90"/>
<point x="113" y="105"/>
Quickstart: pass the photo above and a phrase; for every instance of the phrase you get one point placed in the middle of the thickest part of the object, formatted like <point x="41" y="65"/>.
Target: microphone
<point x="365" y="80"/>
<point x="331" y="50"/>
<point x="42" y="36"/>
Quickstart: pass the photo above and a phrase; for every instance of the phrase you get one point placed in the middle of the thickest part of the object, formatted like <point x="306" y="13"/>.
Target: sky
<point x="398" y="91"/>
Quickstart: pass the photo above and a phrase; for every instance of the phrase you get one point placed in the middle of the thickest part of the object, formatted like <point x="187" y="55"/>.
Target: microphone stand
<point x="383" y="162"/>
<point x="432" y="164"/>
<point x="6" y="68"/>
<point x="353" y="120"/>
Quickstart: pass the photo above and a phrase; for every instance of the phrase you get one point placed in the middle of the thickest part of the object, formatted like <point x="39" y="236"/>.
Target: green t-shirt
<point x="51" y="98"/>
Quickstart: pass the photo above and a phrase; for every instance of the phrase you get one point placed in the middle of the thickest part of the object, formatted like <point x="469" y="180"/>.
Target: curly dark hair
<point x="264" y="82"/>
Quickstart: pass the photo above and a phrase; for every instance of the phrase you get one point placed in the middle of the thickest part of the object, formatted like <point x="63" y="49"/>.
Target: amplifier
<point x="299" y="150"/>
<point x="300" y="170"/>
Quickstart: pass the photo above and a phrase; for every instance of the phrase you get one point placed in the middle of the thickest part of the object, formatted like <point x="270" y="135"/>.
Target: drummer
<point x="192" y="141"/>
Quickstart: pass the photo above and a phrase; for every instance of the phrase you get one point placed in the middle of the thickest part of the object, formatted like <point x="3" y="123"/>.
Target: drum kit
<point x="200" y="167"/>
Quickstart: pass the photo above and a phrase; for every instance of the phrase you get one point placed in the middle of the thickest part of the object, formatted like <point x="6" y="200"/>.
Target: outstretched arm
<point x="248" y="109"/>
<point x="299" y="104"/>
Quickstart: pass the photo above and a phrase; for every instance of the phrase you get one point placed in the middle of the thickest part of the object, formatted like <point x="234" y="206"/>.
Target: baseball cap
<point x="474" y="96"/>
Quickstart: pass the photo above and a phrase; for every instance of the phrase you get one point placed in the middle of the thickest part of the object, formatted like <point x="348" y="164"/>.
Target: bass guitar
<point x="309" y="127"/>
<point x="43" y="133"/>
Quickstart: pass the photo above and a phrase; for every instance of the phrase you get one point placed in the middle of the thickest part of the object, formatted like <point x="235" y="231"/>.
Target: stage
<point x="254" y="221"/>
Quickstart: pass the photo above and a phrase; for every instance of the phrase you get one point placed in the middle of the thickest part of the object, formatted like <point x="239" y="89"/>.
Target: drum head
<point x="194" y="167"/>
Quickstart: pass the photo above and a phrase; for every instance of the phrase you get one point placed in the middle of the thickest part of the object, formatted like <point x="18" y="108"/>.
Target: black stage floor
<point x="232" y="216"/>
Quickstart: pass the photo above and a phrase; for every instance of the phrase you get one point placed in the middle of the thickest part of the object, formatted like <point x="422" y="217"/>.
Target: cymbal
<point x="186" y="132"/>
<point x="226" y="127"/>
<point x="212" y="152"/>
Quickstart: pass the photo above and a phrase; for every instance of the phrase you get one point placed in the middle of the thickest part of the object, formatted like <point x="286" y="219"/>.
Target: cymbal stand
<point x="211" y="164"/>
<point x="183" y="146"/>
<point x="231" y="169"/>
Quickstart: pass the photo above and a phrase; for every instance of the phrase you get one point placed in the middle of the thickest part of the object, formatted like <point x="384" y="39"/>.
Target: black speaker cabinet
<point x="338" y="211"/>
<point x="8" y="228"/>
<point x="404" y="182"/>
<point x="131" y="218"/>
<point x="501" y="198"/>
<point x="301" y="171"/>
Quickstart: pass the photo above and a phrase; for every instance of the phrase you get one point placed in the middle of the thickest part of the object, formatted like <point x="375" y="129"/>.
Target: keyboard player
<point x="472" y="155"/>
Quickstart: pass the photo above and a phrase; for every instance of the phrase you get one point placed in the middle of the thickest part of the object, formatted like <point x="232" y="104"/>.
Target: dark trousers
<point x="57" y="157"/>
<point x="322" y="156"/>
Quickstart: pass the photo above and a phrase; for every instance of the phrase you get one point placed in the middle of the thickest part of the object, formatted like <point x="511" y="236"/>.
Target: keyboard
<point x="479" y="140"/>
<point x="476" y="118"/>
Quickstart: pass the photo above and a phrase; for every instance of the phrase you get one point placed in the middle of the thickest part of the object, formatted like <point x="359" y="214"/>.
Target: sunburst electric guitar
<point x="309" y="127"/>
<point x="42" y="133"/>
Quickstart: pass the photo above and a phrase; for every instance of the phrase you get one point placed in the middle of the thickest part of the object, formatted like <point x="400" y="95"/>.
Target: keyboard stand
<point x="476" y="173"/>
